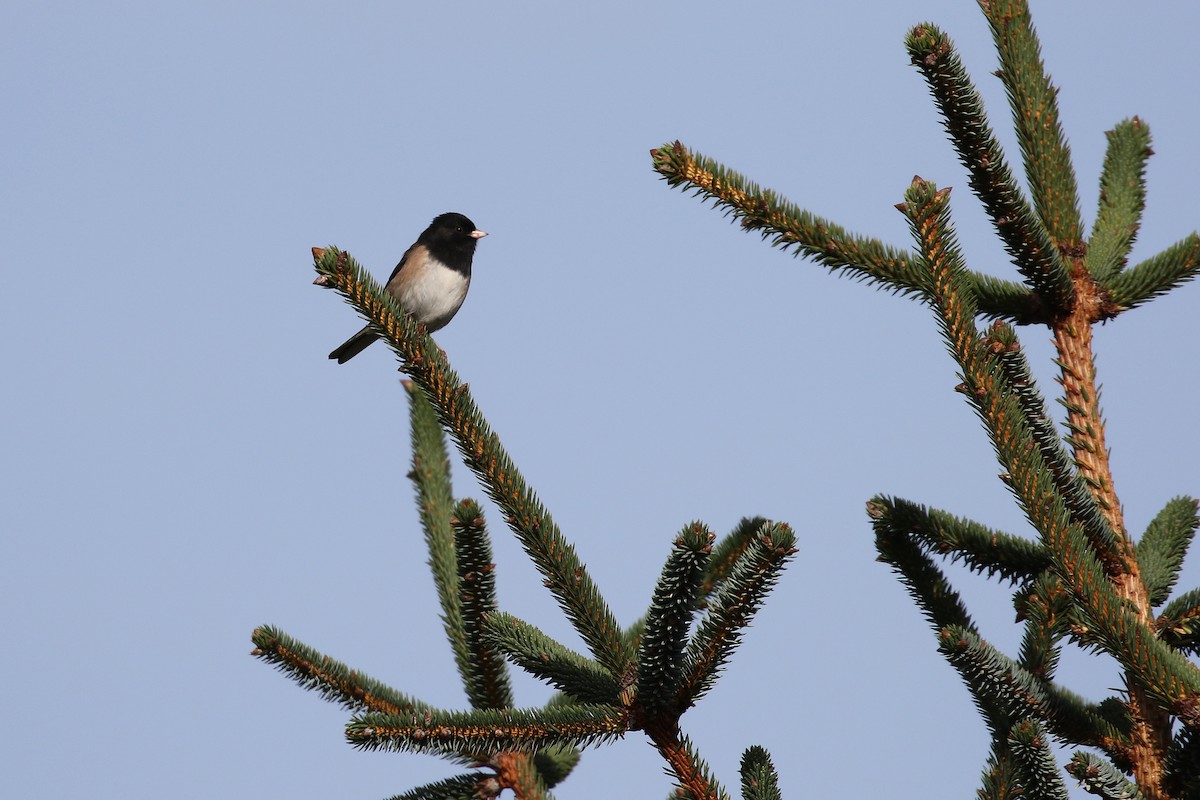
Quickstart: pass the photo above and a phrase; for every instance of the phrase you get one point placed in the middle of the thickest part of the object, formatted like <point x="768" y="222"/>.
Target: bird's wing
<point x="415" y="254"/>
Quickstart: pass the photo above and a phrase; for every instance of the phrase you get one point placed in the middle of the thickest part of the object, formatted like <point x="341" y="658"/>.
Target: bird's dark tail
<point x="354" y="345"/>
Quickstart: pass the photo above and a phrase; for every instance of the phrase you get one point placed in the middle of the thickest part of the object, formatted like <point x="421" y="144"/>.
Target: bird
<point x="431" y="280"/>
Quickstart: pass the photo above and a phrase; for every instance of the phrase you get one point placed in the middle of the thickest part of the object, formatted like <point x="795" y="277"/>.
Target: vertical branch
<point x="1150" y="733"/>
<point x="1081" y="397"/>
<point x="485" y="675"/>
<point x="1034" y="102"/>
<point x="430" y="476"/>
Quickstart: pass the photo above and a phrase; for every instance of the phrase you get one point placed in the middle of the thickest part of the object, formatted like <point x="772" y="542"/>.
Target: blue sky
<point x="182" y="463"/>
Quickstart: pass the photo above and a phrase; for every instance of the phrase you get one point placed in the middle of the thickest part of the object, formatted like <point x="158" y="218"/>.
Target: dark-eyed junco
<point x="431" y="280"/>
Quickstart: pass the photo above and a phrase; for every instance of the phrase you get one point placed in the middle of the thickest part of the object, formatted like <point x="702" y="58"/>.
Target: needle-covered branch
<point x="1179" y="623"/>
<point x="1163" y="673"/>
<point x="1034" y="103"/>
<point x="724" y="557"/>
<point x="759" y="779"/>
<point x="694" y="779"/>
<point x="1183" y="765"/>
<point x="730" y="612"/>
<point x="1101" y="778"/>
<point x="554" y="763"/>
<point x="465" y="733"/>
<point x="941" y="604"/>
<point x="548" y="660"/>
<point x="999" y="780"/>
<point x="948" y="615"/>
<point x="661" y="654"/>
<point x="486" y="674"/>
<point x="1008" y="687"/>
<point x="784" y="224"/>
<point x="1157" y="275"/>
<point x="1161" y="549"/>
<point x="1030" y="747"/>
<point x="1122" y="199"/>
<point x="904" y="552"/>
<point x="555" y="557"/>
<point x="471" y="786"/>
<point x="329" y="678"/>
<point x="430" y="476"/>
<point x="1048" y="611"/>
<point x="729" y="550"/>
<point x="1081" y="504"/>
<point x="980" y="548"/>
<point x="961" y="107"/>
<point x="984" y="383"/>
<point x="789" y="227"/>
<point x="999" y="298"/>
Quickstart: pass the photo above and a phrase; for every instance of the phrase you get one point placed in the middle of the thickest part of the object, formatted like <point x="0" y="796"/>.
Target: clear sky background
<point x="181" y="462"/>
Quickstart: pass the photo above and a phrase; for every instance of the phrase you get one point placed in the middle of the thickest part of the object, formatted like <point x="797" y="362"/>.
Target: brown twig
<point x="1150" y="732"/>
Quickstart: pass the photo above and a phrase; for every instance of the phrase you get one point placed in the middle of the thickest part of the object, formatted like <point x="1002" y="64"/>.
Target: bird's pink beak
<point x="477" y="234"/>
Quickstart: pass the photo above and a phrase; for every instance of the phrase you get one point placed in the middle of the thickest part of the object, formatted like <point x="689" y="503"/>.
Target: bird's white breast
<point x="436" y="295"/>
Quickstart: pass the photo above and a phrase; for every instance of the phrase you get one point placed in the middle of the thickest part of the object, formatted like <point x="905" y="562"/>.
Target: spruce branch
<point x="554" y="763"/>
<point x="661" y="654"/>
<point x="787" y="226"/>
<point x="486" y="675"/>
<point x="1034" y="102"/>
<point x="465" y="734"/>
<point x="945" y="280"/>
<point x="784" y="224"/>
<point x="430" y="476"/>
<point x="1182" y="777"/>
<point x="694" y="779"/>
<point x="904" y="552"/>
<point x="1122" y="199"/>
<point x="939" y="602"/>
<point x="471" y="786"/>
<point x="1161" y="549"/>
<point x="1156" y="275"/>
<point x="1170" y="680"/>
<point x="1082" y="506"/>
<point x="1030" y="747"/>
<point x="1025" y="237"/>
<point x="1003" y="685"/>
<point x="981" y="549"/>
<point x="759" y="779"/>
<point x="727" y="552"/>
<point x="1179" y="623"/>
<point x="1164" y="674"/>
<point x="546" y="659"/>
<point x="1081" y="398"/>
<point x="555" y="557"/>
<point x="999" y="298"/>
<point x="927" y="209"/>
<point x="1101" y="778"/>
<point x="999" y="781"/>
<point x="1048" y="611"/>
<point x="1109" y="621"/>
<point x="515" y="771"/>
<point x="732" y="610"/>
<point x="725" y="555"/>
<point x="329" y="678"/>
<point x="1079" y="720"/>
